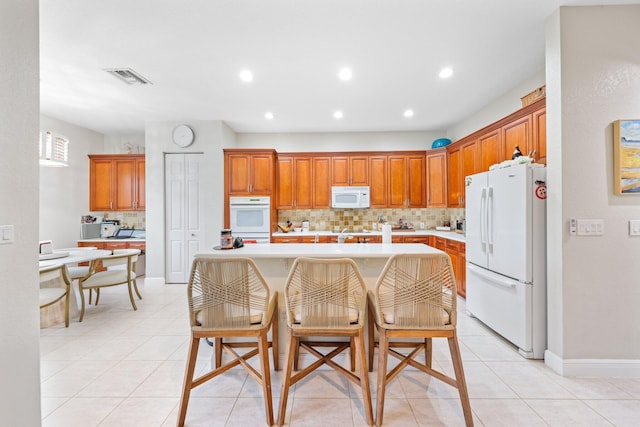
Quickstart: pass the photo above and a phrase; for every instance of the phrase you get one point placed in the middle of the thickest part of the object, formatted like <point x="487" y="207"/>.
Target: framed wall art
<point x="626" y="156"/>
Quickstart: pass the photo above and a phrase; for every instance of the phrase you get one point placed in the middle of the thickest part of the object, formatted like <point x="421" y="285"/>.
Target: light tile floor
<point x="121" y="367"/>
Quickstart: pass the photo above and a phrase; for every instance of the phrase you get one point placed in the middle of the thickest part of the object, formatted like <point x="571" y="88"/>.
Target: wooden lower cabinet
<point x="456" y="251"/>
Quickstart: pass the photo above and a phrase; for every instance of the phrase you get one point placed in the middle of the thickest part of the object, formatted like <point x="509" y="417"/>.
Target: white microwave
<point x="350" y="197"/>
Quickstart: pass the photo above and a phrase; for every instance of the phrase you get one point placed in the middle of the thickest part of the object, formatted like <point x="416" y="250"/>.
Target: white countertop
<point x="327" y="250"/>
<point x="446" y="234"/>
<point x="100" y="239"/>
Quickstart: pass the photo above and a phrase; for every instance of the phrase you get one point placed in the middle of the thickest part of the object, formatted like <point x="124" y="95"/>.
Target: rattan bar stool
<point x="229" y="298"/>
<point x="415" y="297"/>
<point x="325" y="298"/>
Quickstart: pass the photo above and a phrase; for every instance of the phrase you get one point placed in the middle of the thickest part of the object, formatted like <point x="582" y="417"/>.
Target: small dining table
<point x="53" y="314"/>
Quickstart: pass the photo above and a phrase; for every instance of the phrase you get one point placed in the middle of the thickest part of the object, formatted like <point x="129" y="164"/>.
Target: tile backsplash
<point x="135" y="219"/>
<point x="336" y="220"/>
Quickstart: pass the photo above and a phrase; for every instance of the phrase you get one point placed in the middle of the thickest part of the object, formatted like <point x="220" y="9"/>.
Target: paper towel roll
<point x="386" y="233"/>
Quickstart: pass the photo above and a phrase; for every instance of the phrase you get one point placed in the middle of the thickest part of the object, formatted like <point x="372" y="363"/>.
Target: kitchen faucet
<point x="342" y="237"/>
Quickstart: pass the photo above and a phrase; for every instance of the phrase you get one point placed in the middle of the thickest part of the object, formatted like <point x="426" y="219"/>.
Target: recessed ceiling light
<point x="246" y="76"/>
<point x="408" y="113"/>
<point x="269" y="115"/>
<point x="345" y="74"/>
<point x="337" y="115"/>
<point x="445" y="73"/>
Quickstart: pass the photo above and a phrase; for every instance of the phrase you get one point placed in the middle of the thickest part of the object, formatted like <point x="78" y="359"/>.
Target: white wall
<point x="19" y="315"/>
<point x="593" y="66"/>
<point x="64" y="192"/>
<point x="210" y="138"/>
<point x="124" y="144"/>
<point x="339" y="141"/>
<point x="498" y="108"/>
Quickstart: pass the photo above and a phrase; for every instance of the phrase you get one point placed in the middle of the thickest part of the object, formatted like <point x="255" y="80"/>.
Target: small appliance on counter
<point x="108" y="229"/>
<point x="90" y="230"/>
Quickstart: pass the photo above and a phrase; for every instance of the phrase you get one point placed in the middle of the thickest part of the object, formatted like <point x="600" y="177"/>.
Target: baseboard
<point x="611" y="368"/>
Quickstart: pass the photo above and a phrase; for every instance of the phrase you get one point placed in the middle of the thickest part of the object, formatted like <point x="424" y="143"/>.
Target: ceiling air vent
<point x="128" y="76"/>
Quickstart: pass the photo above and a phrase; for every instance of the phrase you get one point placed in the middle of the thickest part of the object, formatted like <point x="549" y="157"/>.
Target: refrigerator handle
<point x="492" y="278"/>
<point x="490" y="217"/>
<point x="483" y="218"/>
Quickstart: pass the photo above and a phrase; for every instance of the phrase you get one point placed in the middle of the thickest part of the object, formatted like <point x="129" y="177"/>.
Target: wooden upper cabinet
<point x="437" y="179"/>
<point x="141" y="184"/>
<point x="116" y="182"/>
<point x="125" y="196"/>
<point x="303" y="182"/>
<point x="101" y="172"/>
<point x="378" y="181"/>
<point x="516" y="134"/>
<point x="417" y="190"/>
<point x="285" y="195"/>
<point x="539" y="140"/>
<point x="407" y="175"/>
<point x="397" y="181"/>
<point x="249" y="172"/>
<point x="454" y="187"/>
<point x="350" y="170"/>
<point x="490" y="149"/>
<point x="321" y="182"/>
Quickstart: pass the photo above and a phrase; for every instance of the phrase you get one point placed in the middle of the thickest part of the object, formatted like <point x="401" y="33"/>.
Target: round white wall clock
<point x="182" y="136"/>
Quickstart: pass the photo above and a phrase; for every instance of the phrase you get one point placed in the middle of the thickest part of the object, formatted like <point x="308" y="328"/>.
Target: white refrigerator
<point x="506" y="254"/>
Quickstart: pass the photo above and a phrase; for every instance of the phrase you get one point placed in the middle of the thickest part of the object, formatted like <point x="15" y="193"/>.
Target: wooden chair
<point x="50" y="295"/>
<point x="229" y="298"/>
<point x="325" y="298"/>
<point x="120" y="271"/>
<point x="415" y="297"/>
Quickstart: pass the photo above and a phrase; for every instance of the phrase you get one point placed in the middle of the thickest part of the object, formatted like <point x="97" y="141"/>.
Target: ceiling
<point x="193" y="51"/>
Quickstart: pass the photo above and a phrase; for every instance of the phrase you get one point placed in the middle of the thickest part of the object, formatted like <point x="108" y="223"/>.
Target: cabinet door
<point x="516" y="134"/>
<point x="437" y="180"/>
<point x="261" y="174"/>
<point x="302" y="183"/>
<point x="287" y="239"/>
<point x="125" y="194"/>
<point x="416" y="184"/>
<point x="397" y="197"/>
<point x="359" y="169"/>
<point x="321" y="182"/>
<point x="454" y="182"/>
<point x="468" y="166"/>
<point x="350" y="170"/>
<point x="340" y="170"/>
<point x="285" y="183"/>
<point x="141" y="188"/>
<point x="100" y="184"/>
<point x="238" y="173"/>
<point x="378" y="181"/>
<point x="489" y="144"/>
<point x="539" y="138"/>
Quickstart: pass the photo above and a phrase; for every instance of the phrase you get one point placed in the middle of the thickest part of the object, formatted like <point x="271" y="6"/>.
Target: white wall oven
<point x="251" y="218"/>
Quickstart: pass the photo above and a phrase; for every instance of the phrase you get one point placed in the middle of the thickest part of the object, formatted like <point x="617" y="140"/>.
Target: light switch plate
<point x="634" y="227"/>
<point x="6" y="234"/>
<point x="590" y="227"/>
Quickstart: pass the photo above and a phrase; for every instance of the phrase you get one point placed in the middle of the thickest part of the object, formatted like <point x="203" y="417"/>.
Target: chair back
<point x="417" y="291"/>
<point x="226" y="293"/>
<point x="325" y="293"/>
<point x="55" y="272"/>
<point x="121" y="257"/>
<point x="54" y="284"/>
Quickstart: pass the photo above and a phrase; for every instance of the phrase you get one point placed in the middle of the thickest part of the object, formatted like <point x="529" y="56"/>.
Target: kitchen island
<point x="275" y="259"/>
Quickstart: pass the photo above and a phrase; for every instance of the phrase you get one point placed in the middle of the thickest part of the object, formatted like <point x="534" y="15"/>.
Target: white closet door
<point x="184" y="213"/>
